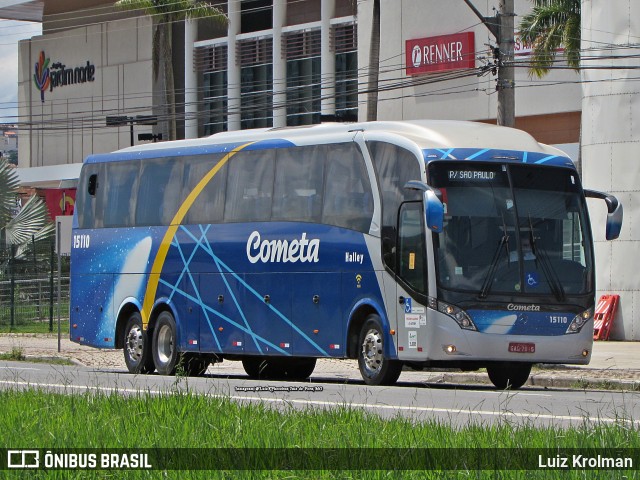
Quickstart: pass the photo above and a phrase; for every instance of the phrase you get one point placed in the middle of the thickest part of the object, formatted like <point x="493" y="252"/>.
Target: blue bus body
<point x="277" y="288"/>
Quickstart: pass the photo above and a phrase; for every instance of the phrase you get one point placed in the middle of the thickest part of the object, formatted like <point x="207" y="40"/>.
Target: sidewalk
<point x="613" y="365"/>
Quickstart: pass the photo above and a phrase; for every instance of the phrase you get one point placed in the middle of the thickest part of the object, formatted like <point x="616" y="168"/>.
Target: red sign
<point x="440" y="54"/>
<point x="59" y="201"/>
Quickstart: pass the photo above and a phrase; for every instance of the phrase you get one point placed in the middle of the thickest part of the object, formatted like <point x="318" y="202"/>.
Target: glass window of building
<point x="256" y="83"/>
<point x="303" y="77"/>
<point x="345" y="40"/>
<point x="212" y="61"/>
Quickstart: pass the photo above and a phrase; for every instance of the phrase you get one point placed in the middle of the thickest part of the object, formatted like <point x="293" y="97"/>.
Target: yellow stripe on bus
<point x="163" y="250"/>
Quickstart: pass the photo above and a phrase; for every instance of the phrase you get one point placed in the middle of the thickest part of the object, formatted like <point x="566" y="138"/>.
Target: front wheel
<point x="375" y="368"/>
<point x="509" y="375"/>
<point x="165" y="352"/>
<point x="137" y="346"/>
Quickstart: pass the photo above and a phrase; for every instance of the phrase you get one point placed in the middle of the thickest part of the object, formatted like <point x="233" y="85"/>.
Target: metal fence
<point x="29" y="287"/>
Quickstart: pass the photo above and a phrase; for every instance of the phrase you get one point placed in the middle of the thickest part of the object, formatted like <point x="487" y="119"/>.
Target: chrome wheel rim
<point x="135" y="343"/>
<point x="165" y="344"/>
<point x="372" y="352"/>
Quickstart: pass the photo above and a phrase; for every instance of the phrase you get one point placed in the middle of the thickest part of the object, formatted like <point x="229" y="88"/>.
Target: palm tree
<point x="31" y="223"/>
<point x="166" y="13"/>
<point x="550" y="25"/>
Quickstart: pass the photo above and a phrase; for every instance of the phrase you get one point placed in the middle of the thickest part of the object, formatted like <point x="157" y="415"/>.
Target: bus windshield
<point x="512" y="229"/>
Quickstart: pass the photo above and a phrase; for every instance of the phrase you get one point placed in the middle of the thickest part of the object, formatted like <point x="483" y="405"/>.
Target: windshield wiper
<point x="550" y="274"/>
<point x="488" y="280"/>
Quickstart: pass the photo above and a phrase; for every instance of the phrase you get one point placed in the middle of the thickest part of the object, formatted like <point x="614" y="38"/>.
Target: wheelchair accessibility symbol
<point x="532" y="280"/>
<point x="407" y="305"/>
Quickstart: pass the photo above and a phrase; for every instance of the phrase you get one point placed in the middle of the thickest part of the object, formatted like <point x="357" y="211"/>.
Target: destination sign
<point x="472" y="175"/>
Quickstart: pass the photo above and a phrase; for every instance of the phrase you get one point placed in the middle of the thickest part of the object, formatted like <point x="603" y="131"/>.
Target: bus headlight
<point x="460" y="316"/>
<point x="579" y="321"/>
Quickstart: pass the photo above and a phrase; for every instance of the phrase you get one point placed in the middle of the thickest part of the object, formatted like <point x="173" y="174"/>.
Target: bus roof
<point x="425" y="134"/>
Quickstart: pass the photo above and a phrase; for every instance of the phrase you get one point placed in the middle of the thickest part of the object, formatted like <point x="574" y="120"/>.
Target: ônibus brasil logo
<point x="41" y="76"/>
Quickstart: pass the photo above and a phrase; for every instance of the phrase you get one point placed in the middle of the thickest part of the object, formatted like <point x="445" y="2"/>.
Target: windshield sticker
<point x="459" y="271"/>
<point x="532" y="279"/>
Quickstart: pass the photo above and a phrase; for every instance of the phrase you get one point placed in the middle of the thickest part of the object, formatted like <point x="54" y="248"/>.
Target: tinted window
<point x="299" y="182"/>
<point x="250" y="186"/>
<point x="209" y="204"/>
<point x="119" y="193"/>
<point x="159" y="191"/>
<point x="85" y="201"/>
<point x="348" y="201"/>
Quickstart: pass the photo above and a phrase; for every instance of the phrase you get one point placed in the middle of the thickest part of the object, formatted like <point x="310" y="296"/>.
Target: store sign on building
<point x="442" y="53"/>
<point x="49" y="76"/>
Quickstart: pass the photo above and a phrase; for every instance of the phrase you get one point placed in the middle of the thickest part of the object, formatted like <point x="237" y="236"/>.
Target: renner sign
<point x="442" y="53"/>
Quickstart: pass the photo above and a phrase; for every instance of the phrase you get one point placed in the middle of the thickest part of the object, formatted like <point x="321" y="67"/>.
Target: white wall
<point x="470" y="98"/>
<point x="74" y="115"/>
<point x="611" y="146"/>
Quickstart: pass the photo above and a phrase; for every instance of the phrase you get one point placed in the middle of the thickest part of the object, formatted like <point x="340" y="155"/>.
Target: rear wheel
<point x="165" y="352"/>
<point x="509" y="375"/>
<point x="137" y="346"/>
<point x="194" y="365"/>
<point x="375" y="368"/>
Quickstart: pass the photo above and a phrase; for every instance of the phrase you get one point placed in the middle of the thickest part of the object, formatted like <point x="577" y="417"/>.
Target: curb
<point x="572" y="382"/>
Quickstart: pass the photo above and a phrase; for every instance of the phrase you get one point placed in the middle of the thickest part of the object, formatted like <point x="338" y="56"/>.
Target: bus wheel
<point x="299" y="368"/>
<point x="374" y="367"/>
<point x="256" y="367"/>
<point x="165" y="352"/>
<point x="194" y="365"/>
<point x="509" y="375"/>
<point x="137" y="349"/>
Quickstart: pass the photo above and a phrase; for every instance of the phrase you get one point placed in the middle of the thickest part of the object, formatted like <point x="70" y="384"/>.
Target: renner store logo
<point x="442" y="53"/>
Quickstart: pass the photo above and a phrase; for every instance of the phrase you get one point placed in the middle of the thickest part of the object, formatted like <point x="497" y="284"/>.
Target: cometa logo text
<point x="282" y="251"/>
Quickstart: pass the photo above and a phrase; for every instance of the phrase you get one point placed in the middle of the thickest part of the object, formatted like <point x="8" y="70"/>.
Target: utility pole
<point x="502" y="28"/>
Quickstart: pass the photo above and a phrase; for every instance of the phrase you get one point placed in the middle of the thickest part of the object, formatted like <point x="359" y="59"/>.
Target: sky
<point x="10" y="33"/>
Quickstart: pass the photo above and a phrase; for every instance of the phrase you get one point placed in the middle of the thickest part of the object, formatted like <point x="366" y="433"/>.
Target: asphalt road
<point x="457" y="405"/>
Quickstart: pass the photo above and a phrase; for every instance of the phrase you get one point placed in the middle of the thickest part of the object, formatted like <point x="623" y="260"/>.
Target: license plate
<point x="522" y="347"/>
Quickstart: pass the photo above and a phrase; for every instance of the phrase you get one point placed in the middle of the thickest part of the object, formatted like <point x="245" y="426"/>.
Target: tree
<point x="551" y="25"/>
<point x="31" y="222"/>
<point x="165" y="14"/>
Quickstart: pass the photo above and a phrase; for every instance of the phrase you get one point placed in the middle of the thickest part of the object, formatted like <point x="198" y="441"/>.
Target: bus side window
<point x="348" y="201"/>
<point x="298" y="186"/>
<point x="159" y="192"/>
<point x="88" y="194"/>
<point x="250" y="186"/>
<point x="119" y="194"/>
<point x="208" y="206"/>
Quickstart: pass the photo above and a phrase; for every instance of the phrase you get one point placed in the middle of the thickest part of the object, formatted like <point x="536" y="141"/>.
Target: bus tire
<point x="194" y="365"/>
<point x="374" y="367"/>
<point x="165" y="345"/>
<point x="299" y="368"/>
<point x="256" y="367"/>
<point x="279" y="368"/>
<point x="137" y="346"/>
<point x="509" y="375"/>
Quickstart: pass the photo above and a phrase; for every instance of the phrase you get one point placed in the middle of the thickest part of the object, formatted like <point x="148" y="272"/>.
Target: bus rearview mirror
<point x="434" y="209"/>
<point x="614" y="213"/>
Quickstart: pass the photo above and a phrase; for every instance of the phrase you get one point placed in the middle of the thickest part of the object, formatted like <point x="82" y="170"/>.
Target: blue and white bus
<point x="426" y="244"/>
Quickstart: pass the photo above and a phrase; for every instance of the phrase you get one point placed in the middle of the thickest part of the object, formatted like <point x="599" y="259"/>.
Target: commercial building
<point x="283" y="63"/>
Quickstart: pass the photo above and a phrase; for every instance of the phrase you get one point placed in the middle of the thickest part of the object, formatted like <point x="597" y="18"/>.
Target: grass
<point x="36" y="326"/>
<point x="34" y="419"/>
<point x="17" y="355"/>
